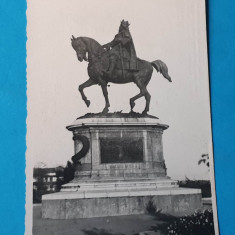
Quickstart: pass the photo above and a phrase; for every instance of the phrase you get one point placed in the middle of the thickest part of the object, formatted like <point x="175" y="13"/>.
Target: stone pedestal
<point x="122" y="169"/>
<point x="120" y="148"/>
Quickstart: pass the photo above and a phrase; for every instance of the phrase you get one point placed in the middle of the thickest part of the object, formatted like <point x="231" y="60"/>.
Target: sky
<point x="173" y="31"/>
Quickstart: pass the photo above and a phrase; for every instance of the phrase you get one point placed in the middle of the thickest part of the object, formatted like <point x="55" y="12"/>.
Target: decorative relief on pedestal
<point x="121" y="150"/>
<point x="85" y="148"/>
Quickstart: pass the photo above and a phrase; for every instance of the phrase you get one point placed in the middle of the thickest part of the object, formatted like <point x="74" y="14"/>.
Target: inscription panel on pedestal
<point x="121" y="150"/>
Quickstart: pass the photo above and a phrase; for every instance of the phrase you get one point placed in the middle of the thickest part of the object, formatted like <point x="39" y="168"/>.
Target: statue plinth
<point x="121" y="168"/>
<point x="120" y="148"/>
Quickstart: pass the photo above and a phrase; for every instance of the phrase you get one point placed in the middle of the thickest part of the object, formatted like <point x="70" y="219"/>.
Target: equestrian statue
<point x="116" y="62"/>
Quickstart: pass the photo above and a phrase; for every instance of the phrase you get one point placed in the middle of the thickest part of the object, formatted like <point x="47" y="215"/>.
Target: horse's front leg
<point x="105" y="93"/>
<point x="88" y="83"/>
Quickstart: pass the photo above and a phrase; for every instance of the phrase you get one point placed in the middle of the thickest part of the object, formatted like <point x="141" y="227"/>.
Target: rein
<point x="91" y="47"/>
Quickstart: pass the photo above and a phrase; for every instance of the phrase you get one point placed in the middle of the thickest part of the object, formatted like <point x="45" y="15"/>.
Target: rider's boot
<point x="111" y="68"/>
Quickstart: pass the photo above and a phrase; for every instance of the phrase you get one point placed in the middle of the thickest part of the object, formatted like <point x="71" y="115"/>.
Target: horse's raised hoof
<point x="88" y="102"/>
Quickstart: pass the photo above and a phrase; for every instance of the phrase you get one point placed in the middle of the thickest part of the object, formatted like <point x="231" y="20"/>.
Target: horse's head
<point x="80" y="47"/>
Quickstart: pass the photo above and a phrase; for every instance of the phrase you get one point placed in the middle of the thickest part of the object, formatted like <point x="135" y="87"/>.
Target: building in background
<point x="46" y="180"/>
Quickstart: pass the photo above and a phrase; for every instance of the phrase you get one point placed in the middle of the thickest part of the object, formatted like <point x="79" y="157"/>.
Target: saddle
<point x="127" y="64"/>
<point x="125" y="61"/>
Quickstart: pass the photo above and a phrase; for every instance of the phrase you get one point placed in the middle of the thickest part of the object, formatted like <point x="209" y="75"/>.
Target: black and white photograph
<point x="119" y="138"/>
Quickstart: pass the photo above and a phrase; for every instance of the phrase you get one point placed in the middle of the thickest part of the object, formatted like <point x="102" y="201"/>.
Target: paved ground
<point x="126" y="225"/>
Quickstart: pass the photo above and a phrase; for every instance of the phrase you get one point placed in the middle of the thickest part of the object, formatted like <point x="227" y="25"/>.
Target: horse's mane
<point x="93" y="44"/>
<point x="89" y="39"/>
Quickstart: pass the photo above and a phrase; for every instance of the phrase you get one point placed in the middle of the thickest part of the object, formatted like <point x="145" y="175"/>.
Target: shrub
<point x="151" y="208"/>
<point x="204" y="185"/>
<point x="201" y="222"/>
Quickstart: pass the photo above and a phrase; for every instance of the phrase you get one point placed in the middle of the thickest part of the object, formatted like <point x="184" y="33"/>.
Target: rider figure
<point x="122" y="47"/>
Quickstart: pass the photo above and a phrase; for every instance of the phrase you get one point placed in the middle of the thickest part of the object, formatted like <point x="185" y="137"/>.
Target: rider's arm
<point x="122" y="38"/>
<point x="113" y="43"/>
<point x="107" y="46"/>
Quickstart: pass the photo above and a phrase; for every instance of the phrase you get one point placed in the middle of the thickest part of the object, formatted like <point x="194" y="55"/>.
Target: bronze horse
<point x="90" y="50"/>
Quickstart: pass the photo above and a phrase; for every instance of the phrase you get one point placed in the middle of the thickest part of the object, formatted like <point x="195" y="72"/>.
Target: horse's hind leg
<point x="141" y="79"/>
<point x="88" y="83"/>
<point x="132" y="100"/>
<point x="143" y="92"/>
<point x="147" y="98"/>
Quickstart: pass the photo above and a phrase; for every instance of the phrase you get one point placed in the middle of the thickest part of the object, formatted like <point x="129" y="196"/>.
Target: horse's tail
<point x="162" y="68"/>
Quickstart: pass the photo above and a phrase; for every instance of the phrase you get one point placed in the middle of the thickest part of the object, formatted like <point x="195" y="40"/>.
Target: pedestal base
<point x="100" y="199"/>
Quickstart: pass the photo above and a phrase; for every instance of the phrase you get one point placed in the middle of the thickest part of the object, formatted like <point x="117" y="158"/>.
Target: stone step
<point x="110" y="193"/>
<point x="123" y="180"/>
<point x="106" y="185"/>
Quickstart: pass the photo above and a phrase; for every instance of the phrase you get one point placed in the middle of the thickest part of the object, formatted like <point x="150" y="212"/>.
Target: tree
<point x="69" y="171"/>
<point x="38" y="174"/>
<point x="40" y="165"/>
<point x="205" y="160"/>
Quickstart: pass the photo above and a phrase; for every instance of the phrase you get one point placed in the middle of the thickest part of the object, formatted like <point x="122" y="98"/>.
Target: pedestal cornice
<point x="97" y="120"/>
